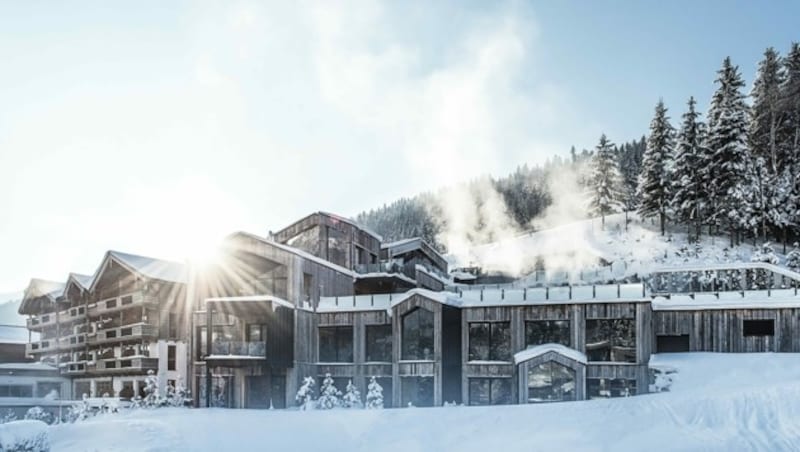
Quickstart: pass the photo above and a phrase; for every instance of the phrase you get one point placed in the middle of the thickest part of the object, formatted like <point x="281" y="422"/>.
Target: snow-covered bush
<point x="305" y="395"/>
<point x="79" y="411"/>
<point x="793" y="258"/>
<point x="661" y="379"/>
<point x="329" y="396"/>
<point x="178" y="395"/>
<point x="352" y="397"/>
<point x="24" y="436"/>
<point x="152" y="399"/>
<point x="374" y="394"/>
<point x="38" y="414"/>
<point x="9" y="416"/>
<point x="759" y="277"/>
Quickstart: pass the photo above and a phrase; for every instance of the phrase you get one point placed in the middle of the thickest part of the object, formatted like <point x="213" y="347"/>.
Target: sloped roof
<point x="84" y="281"/>
<point x="41" y="290"/>
<point x="148" y="267"/>
<point x="296" y="251"/>
<point x="539" y="350"/>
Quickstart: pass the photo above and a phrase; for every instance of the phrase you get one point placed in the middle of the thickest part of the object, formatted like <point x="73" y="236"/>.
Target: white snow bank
<point x="28" y="435"/>
<point x="717" y="402"/>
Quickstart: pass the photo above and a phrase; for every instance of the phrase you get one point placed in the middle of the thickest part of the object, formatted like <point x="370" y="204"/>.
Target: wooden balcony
<point x="43" y="346"/>
<point x="123" y="333"/>
<point x="37" y="323"/>
<point x="126" y="364"/>
<point x="119" y="303"/>
<point x="72" y="341"/>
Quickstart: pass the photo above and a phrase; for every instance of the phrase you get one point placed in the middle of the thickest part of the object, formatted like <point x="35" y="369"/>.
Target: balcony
<point x="74" y="368"/>
<point x="124" y="333"/>
<point x="237" y="348"/>
<point x="42" y="321"/>
<point x="45" y="346"/>
<point x="387" y="267"/>
<point x="120" y="303"/>
<point x="74" y="340"/>
<point x="127" y="364"/>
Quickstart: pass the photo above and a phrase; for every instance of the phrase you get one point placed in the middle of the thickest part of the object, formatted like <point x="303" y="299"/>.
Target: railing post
<point x="502" y="294"/>
<point x="594" y="291"/>
<point x="643" y="290"/>
<point x="525" y="293"/>
<point x="372" y="300"/>
<point x="619" y="292"/>
<point x="546" y="292"/>
<point x="481" y="294"/>
<point x="570" y="291"/>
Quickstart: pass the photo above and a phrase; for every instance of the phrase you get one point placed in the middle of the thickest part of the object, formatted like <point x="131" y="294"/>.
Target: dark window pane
<point x="478" y="341"/>
<point x="417" y="335"/>
<point x="501" y="391"/>
<point x="608" y="387"/>
<point x="379" y="343"/>
<point x="758" y="327"/>
<point x="480" y="391"/>
<point x="417" y="391"/>
<point x="336" y="344"/>
<point x="540" y="332"/>
<point x="501" y="342"/>
<point x="611" y="340"/>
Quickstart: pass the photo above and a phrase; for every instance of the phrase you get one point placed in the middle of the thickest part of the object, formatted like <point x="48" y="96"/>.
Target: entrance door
<point x="258" y="391"/>
<point x="278" y="391"/>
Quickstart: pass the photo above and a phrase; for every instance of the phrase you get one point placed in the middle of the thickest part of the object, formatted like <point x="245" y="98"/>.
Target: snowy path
<point x="718" y="403"/>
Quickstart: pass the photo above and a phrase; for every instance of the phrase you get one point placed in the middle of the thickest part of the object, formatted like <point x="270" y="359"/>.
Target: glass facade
<point x="417" y="335"/>
<point x="378" y="343"/>
<point x="602" y="388"/>
<point x="490" y="341"/>
<point x="551" y="382"/>
<point x="416" y="391"/>
<point x="611" y="340"/>
<point x="489" y="391"/>
<point x="538" y="332"/>
<point x="336" y="344"/>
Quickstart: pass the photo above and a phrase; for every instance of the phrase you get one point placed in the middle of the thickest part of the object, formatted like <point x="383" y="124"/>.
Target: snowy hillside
<point x="578" y="248"/>
<point x="718" y="402"/>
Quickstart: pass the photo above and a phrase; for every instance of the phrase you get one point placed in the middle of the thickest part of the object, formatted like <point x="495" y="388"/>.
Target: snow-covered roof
<point x="400" y="242"/>
<point x="27" y="366"/>
<point x="147" y="267"/>
<point x="385" y="275"/>
<point x="85" y="281"/>
<point x="38" y="290"/>
<point x="539" y="350"/>
<point x="297" y="252"/>
<point x="774" y="299"/>
<point x="352" y="223"/>
<point x="253" y="299"/>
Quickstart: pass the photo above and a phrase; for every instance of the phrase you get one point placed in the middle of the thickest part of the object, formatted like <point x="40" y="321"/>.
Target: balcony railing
<point x="127" y="364"/>
<point x="138" y="330"/>
<point x="119" y="303"/>
<point x="236" y="348"/>
<point x="75" y="340"/>
<point x="387" y="267"/>
<point x="47" y="345"/>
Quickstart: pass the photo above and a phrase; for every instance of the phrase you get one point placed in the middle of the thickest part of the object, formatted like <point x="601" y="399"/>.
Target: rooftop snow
<point x="151" y="267"/>
<point x="539" y="350"/>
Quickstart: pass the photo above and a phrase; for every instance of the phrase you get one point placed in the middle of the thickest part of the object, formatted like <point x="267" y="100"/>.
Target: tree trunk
<point x="662" y="217"/>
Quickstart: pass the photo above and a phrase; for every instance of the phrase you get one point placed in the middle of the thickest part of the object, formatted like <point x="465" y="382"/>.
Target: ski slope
<point x="717" y="402"/>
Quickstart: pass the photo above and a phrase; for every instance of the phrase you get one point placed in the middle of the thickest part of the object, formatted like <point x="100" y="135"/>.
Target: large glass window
<point x="338" y="246"/>
<point x="416" y="391"/>
<point x="489" y="391"/>
<point x="379" y="343"/>
<point x="538" y="332"/>
<point x="611" y="340"/>
<point x="336" y="344"/>
<point x="601" y="388"/>
<point x="550" y="382"/>
<point x="417" y="335"/>
<point x="16" y="390"/>
<point x="255" y="332"/>
<point x="171" y="356"/>
<point x="490" y="341"/>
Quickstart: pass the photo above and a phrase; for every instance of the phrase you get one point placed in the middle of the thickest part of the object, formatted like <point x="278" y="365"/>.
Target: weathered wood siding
<point x="721" y="330"/>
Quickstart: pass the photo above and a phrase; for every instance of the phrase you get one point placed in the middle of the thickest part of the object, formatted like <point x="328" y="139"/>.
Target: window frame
<point x="337" y="337"/>
<point x="368" y="341"/>
<point x="612" y="342"/>
<point x="551" y="326"/>
<point x="491" y="345"/>
<point x="172" y="357"/>
<point x="406" y="339"/>
<point x="756" y="328"/>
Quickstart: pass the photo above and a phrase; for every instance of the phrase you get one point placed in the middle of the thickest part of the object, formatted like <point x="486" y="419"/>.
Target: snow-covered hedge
<point x="24" y="436"/>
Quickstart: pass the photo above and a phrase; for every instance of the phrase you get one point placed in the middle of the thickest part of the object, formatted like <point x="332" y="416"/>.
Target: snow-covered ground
<point x="718" y="402"/>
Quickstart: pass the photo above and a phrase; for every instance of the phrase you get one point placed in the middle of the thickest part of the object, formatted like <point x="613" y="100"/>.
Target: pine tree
<point x="374" y="394"/>
<point x="352" y="397"/>
<point x="655" y="183"/>
<point x="793" y="258"/>
<point x="329" y="396"/>
<point x="688" y="193"/>
<point x="305" y="395"/>
<point x="790" y="141"/>
<point x="727" y="142"/>
<point x="604" y="182"/>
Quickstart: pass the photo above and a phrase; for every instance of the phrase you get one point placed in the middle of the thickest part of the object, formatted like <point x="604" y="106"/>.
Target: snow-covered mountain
<point x="12" y="324"/>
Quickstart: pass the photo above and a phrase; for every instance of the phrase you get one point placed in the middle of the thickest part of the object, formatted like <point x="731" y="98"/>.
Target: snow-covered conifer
<point x="655" y="182"/>
<point x="305" y="395"/>
<point x="688" y="193"/>
<point x="793" y="258"/>
<point x="329" y="396"/>
<point x="605" y="196"/>
<point x="727" y="142"/>
<point x="374" y="394"/>
<point x="352" y="396"/>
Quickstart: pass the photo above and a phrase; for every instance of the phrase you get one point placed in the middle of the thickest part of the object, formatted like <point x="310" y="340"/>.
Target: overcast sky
<point x="157" y="127"/>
